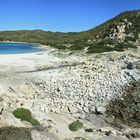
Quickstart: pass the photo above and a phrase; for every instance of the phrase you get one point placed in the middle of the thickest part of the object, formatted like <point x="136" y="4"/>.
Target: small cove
<point x="18" y="48"/>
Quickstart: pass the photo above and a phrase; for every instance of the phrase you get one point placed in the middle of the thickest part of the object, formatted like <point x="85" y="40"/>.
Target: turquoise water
<point x="17" y="48"/>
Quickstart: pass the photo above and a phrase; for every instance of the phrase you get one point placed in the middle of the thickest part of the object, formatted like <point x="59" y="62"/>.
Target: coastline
<point x="66" y="89"/>
<point x="36" y="45"/>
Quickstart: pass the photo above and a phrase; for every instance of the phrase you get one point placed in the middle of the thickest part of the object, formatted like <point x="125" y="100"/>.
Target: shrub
<point x="130" y="39"/>
<point x="25" y="115"/>
<point x="79" y="138"/>
<point x="77" y="47"/>
<point x="89" y="130"/>
<point x="59" y="46"/>
<point x="15" y="133"/>
<point x="122" y="46"/>
<point x="99" y="49"/>
<point x="75" y="126"/>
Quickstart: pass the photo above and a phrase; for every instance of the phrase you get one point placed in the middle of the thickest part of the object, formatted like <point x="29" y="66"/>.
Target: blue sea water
<point x="18" y="48"/>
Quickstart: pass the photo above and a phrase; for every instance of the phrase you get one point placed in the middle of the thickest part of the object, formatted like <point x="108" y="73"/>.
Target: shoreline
<point x="36" y="45"/>
<point x="66" y="89"/>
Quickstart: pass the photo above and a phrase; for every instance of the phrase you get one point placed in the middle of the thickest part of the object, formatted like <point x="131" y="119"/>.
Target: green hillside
<point x="119" y="33"/>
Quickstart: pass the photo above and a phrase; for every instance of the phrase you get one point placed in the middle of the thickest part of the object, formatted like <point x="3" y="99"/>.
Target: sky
<point x="60" y="15"/>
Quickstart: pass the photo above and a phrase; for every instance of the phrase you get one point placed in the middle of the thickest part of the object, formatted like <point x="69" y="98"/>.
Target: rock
<point x="132" y="133"/>
<point x="93" y="109"/>
<point x="1" y="99"/>
<point x="137" y="65"/>
<point x="130" y="66"/>
<point x="96" y="121"/>
<point x="109" y="119"/>
<point x="82" y="116"/>
<point x="72" y="109"/>
<point x="100" y="109"/>
<point x="1" y="108"/>
<point x="79" y="107"/>
<point x="127" y="130"/>
<point x="86" y="109"/>
<point x="105" y="129"/>
<point x="26" y="90"/>
<point x="137" y="131"/>
<point x="116" y="132"/>
<point x="56" y="110"/>
<point x="134" y="75"/>
<point x="76" y="115"/>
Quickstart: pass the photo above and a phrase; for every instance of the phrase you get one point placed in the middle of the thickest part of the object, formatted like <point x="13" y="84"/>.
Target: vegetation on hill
<point x="119" y="33"/>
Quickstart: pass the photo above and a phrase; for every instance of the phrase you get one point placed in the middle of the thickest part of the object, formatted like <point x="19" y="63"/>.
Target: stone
<point x="93" y="109"/>
<point x="101" y="109"/>
<point x="137" y="65"/>
<point x="76" y="115"/>
<point x="72" y="109"/>
<point x="105" y="129"/>
<point x="137" y="131"/>
<point x="96" y="121"/>
<point x="127" y="130"/>
<point x="1" y="99"/>
<point x="134" y="75"/>
<point x="116" y="132"/>
<point x="86" y="109"/>
<point x="82" y="116"/>
<point x="130" y="66"/>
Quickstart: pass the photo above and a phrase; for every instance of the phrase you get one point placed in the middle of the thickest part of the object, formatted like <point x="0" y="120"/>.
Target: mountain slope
<point x="119" y="33"/>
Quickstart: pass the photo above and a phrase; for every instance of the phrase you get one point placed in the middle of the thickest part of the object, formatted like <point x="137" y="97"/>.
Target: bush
<point x="89" y="130"/>
<point x="75" y="126"/>
<point x="99" y="49"/>
<point x="79" y="138"/>
<point x="59" y="46"/>
<point x="15" y="133"/>
<point x="130" y="39"/>
<point x="25" y="115"/>
<point x="122" y="46"/>
<point x="77" y="47"/>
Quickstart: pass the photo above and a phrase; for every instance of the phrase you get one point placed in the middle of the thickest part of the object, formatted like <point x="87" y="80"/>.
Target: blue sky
<point x="60" y="15"/>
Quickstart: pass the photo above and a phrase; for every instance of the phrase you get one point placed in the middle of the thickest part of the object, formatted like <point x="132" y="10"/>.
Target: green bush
<point x="79" y="138"/>
<point x="25" y="115"/>
<point x="99" y="49"/>
<point x="15" y="133"/>
<point x="122" y="46"/>
<point x="75" y="126"/>
<point x="59" y="46"/>
<point x="77" y="47"/>
<point x="89" y="130"/>
<point x="130" y="39"/>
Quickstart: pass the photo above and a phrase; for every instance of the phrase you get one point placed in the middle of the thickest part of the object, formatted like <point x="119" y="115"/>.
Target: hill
<point x="119" y="33"/>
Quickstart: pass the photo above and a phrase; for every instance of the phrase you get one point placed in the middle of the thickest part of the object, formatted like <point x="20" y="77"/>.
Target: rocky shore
<point x="102" y="91"/>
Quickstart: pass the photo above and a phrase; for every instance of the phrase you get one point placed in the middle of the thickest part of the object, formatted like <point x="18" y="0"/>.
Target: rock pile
<point x="87" y="87"/>
<point x="78" y="87"/>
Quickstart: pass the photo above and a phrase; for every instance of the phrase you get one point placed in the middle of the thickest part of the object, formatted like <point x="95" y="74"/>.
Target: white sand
<point x="22" y="62"/>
